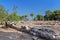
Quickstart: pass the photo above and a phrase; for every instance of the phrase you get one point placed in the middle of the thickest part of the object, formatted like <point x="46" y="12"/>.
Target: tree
<point x="32" y="14"/>
<point x="13" y="16"/>
<point x="24" y="17"/>
<point x="57" y="14"/>
<point x="35" y="19"/>
<point x="39" y="17"/>
<point x="2" y="13"/>
<point x="48" y="15"/>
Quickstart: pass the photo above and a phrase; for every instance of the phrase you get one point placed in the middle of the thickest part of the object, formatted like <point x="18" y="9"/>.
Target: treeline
<point x="5" y="15"/>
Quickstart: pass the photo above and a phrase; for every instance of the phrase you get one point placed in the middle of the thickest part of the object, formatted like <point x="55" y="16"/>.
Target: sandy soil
<point x="9" y="30"/>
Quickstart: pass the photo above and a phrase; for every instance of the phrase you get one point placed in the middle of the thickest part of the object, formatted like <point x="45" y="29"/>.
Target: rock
<point x="44" y="32"/>
<point x="36" y="38"/>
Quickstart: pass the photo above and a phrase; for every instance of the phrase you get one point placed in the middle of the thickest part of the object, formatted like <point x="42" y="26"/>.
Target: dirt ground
<point x="52" y="24"/>
<point x="9" y="30"/>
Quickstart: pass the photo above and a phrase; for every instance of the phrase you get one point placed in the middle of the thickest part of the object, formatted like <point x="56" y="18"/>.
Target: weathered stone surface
<point x="44" y="32"/>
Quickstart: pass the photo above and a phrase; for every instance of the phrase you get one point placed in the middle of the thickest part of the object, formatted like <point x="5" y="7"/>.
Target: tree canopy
<point x="6" y="16"/>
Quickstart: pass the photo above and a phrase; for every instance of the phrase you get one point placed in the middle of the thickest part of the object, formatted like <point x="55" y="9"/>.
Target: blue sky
<point x="28" y="6"/>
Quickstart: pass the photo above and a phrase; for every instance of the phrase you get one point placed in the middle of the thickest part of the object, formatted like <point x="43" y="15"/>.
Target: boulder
<point x="45" y="33"/>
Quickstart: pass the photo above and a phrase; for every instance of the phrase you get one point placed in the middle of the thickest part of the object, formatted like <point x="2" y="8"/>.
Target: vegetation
<point x="32" y="15"/>
<point x="55" y="15"/>
<point x="6" y="16"/>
